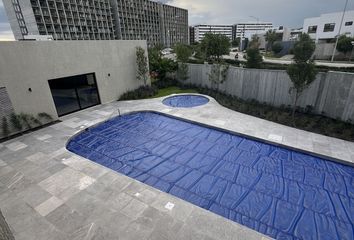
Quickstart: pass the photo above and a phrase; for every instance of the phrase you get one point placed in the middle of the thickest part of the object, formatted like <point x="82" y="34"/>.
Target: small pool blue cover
<point x="281" y="193"/>
<point x="185" y="101"/>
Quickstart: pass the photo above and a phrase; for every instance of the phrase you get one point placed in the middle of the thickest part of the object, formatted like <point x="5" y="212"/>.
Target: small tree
<point x="270" y="37"/>
<point x="142" y="65"/>
<point x="183" y="71"/>
<point x="303" y="71"/>
<point x="345" y="45"/>
<point x="255" y="43"/>
<point x="215" y="45"/>
<point x="218" y="75"/>
<point x="183" y="52"/>
<point x="16" y="122"/>
<point x="159" y="66"/>
<point x="5" y="127"/>
<point x="276" y="48"/>
<point x="254" y="58"/>
<point x="236" y="42"/>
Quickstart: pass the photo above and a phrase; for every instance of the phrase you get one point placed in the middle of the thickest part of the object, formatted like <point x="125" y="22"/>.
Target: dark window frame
<point x="349" y="23"/>
<point x="312" y="29"/>
<point x="329" y="27"/>
<point x="77" y="95"/>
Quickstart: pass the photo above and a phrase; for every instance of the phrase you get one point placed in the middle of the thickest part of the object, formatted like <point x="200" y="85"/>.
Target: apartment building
<point x="248" y="29"/>
<point x="326" y="27"/>
<point x="62" y="19"/>
<point x="201" y="30"/>
<point x="98" y="20"/>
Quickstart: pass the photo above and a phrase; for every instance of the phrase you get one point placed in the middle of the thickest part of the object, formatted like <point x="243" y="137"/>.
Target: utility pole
<point x="340" y="29"/>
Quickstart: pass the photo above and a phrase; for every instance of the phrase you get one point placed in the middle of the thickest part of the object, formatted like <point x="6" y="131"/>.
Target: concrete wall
<point x="28" y="64"/>
<point x="331" y="94"/>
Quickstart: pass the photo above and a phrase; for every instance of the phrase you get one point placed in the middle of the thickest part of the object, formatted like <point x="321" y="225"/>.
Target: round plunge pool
<point x="185" y="101"/>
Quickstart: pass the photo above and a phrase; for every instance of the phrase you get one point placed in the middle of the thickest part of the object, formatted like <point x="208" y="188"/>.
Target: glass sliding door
<point x="71" y="94"/>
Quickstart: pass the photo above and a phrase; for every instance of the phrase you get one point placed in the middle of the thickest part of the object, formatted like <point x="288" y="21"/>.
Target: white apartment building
<point x="326" y="26"/>
<point x="248" y="29"/>
<point x="201" y="30"/>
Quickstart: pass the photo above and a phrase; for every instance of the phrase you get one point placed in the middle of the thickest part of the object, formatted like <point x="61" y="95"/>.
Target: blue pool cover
<point x="185" y="101"/>
<point x="279" y="192"/>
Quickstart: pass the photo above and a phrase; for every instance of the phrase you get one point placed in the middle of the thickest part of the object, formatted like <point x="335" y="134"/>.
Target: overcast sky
<point x="281" y="12"/>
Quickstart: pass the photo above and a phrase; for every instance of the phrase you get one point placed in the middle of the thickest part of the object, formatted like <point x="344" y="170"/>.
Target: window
<point x="329" y="27"/>
<point x="349" y="23"/>
<point x="312" y="29"/>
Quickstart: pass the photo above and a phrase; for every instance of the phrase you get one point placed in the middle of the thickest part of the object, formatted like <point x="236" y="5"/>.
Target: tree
<point x="236" y="42"/>
<point x="215" y="45"/>
<point x="183" y="52"/>
<point x="218" y="74"/>
<point x="159" y="66"/>
<point x="276" y="48"/>
<point x="255" y="43"/>
<point x="183" y="71"/>
<point x="345" y="44"/>
<point x="270" y="37"/>
<point x="303" y="71"/>
<point x="254" y="58"/>
<point x="142" y="65"/>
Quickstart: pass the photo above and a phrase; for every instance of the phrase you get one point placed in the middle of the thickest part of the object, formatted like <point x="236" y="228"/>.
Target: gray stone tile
<point x="66" y="219"/>
<point x="136" y="231"/>
<point x="16" y="146"/>
<point x="34" y="195"/>
<point x="49" y="206"/>
<point x="134" y="209"/>
<point x="181" y="209"/>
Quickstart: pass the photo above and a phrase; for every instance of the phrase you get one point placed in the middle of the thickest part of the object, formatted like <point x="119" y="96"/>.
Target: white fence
<point x="331" y="94"/>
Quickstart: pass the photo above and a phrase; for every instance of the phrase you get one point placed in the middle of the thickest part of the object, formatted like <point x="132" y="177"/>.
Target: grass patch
<point x="172" y="90"/>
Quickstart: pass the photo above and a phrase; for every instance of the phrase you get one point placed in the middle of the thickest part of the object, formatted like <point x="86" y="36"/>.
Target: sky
<point x="290" y="13"/>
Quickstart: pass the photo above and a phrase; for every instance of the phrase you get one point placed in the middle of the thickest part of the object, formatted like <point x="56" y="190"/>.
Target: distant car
<point x="166" y="51"/>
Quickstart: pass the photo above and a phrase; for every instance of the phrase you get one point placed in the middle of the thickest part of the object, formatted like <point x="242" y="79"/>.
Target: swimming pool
<point x="185" y="101"/>
<point x="282" y="193"/>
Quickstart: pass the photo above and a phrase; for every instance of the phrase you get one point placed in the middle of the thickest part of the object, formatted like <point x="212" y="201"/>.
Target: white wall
<point x="330" y="18"/>
<point x="30" y="64"/>
<point x="331" y="94"/>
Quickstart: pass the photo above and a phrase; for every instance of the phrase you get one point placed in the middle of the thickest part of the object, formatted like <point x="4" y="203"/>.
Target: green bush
<point x="5" y="127"/>
<point x="16" y="122"/>
<point x="254" y="58"/>
<point x="45" y="116"/>
<point x="140" y="93"/>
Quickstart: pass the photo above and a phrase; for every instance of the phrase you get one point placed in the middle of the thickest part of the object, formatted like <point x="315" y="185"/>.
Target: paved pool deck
<point x="47" y="192"/>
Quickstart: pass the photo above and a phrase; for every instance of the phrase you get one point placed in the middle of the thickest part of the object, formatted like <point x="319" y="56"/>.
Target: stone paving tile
<point x="66" y="219"/>
<point x="34" y="195"/>
<point x="49" y="206"/>
<point x="15" y="146"/>
<point x="43" y="137"/>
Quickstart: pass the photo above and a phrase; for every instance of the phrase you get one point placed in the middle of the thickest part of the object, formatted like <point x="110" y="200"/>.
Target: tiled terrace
<point x="47" y="192"/>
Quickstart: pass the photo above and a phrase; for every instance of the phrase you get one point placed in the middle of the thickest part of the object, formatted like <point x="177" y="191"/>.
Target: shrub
<point x="45" y="116"/>
<point x="165" y="83"/>
<point x="277" y="47"/>
<point x="140" y="93"/>
<point x="16" y="122"/>
<point x="254" y="58"/>
<point x="5" y="127"/>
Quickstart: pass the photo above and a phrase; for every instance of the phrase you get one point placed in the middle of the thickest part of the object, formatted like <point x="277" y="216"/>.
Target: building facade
<point x="248" y="29"/>
<point x="62" y="19"/>
<point x="326" y="27"/>
<point x="98" y="20"/>
<point x="201" y="30"/>
<point x="156" y="22"/>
